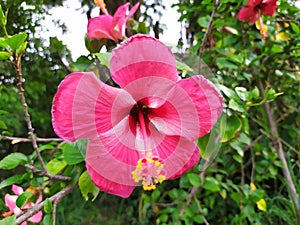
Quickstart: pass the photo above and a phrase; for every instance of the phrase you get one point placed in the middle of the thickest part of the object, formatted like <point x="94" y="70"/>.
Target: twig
<point x="195" y="189"/>
<point x="45" y="173"/>
<point x="200" y="210"/>
<point x="208" y="30"/>
<point x="35" y="209"/>
<point x="20" y="139"/>
<point x="17" y="65"/>
<point x="280" y="152"/>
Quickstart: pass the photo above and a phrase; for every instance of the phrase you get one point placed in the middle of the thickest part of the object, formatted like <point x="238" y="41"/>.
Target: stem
<point x="208" y="29"/>
<point x="17" y="65"/>
<point x="35" y="209"/>
<point x="45" y="173"/>
<point x="280" y="152"/>
<point x="20" y="139"/>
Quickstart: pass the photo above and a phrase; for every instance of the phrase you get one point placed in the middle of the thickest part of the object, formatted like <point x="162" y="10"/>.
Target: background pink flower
<point x="111" y="27"/>
<point x="10" y="202"/>
<point x="255" y="7"/>
<point x="144" y="131"/>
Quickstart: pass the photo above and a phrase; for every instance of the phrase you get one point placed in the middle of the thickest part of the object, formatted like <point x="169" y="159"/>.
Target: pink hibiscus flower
<point x="145" y="131"/>
<point x="252" y="13"/>
<point x="10" y="202"/>
<point x="110" y="27"/>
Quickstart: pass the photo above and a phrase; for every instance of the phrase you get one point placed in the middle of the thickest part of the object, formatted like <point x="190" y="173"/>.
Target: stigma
<point x="149" y="171"/>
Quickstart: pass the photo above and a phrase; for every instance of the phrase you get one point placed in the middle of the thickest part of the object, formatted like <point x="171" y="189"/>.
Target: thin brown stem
<point x="17" y="65"/>
<point x="207" y="32"/>
<point x="20" y="139"/>
<point x="45" y="173"/>
<point x="280" y="151"/>
<point x="35" y="209"/>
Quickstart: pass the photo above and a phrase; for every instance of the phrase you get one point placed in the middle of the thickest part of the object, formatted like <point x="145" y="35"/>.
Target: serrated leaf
<point x="16" y="41"/>
<point x="86" y="186"/>
<point x="55" y="166"/>
<point x="194" y="179"/>
<point x="16" y="179"/>
<point x="48" y="206"/>
<point x="13" y="160"/>
<point x="9" y="220"/>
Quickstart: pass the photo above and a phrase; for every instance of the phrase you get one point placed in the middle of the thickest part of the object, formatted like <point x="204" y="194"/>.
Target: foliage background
<point x="260" y="82"/>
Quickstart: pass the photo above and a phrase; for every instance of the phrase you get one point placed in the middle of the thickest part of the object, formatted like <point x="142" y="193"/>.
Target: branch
<point x="45" y="173"/>
<point x="280" y="152"/>
<point x="17" y="65"/>
<point x="20" y="139"/>
<point x="208" y="30"/>
<point x="35" y="209"/>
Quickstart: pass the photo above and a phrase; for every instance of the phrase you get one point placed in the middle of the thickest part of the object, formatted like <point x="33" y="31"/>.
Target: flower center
<point x="149" y="171"/>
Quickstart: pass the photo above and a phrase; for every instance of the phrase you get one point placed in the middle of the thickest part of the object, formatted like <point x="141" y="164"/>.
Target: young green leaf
<point x="48" y="206"/>
<point x="16" y="179"/>
<point x="16" y="42"/>
<point x="23" y="198"/>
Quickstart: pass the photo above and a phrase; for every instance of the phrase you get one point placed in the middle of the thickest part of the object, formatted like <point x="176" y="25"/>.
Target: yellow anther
<point x="149" y="171"/>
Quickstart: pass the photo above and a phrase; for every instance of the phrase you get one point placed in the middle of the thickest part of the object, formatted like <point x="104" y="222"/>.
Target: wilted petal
<point x="10" y="201"/>
<point x="142" y="56"/>
<point x="17" y="190"/>
<point x="36" y="218"/>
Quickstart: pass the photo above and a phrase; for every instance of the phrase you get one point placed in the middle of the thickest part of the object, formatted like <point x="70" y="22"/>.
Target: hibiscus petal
<point x="206" y="99"/>
<point x="179" y="155"/>
<point x="17" y="190"/>
<point x="119" y="21"/>
<point x="101" y="27"/>
<point x="142" y="56"/>
<point x="84" y="107"/>
<point x="10" y="201"/>
<point x="248" y="15"/>
<point x="254" y="3"/>
<point x="109" y="186"/>
<point x="189" y="165"/>
<point x="269" y="8"/>
<point x="36" y="218"/>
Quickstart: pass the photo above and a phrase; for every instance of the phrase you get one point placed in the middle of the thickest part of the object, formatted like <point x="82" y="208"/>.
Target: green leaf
<point x="211" y="184"/>
<point x="9" y="220"/>
<point x="104" y="58"/>
<point x="203" y="21"/>
<point x="13" y="160"/>
<point x="73" y="151"/>
<point x="3" y="17"/>
<point x="4" y="55"/>
<point x="194" y="179"/>
<point x="48" y="206"/>
<point x="23" y="198"/>
<point x="47" y="220"/>
<point x="230" y="128"/>
<point x="16" y="41"/>
<point x="237" y="105"/>
<point x="16" y="179"/>
<point x="3" y="125"/>
<point x="183" y="67"/>
<point x="224" y="63"/>
<point x="86" y="186"/>
<point x="55" y="166"/>
<point x="295" y="28"/>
